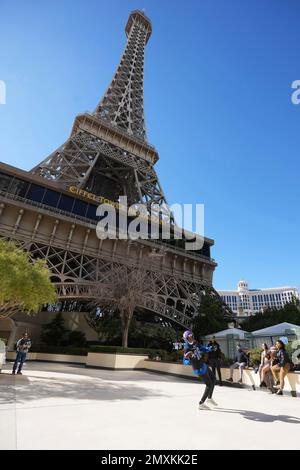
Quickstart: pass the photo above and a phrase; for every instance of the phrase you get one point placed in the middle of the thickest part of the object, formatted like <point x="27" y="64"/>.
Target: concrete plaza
<point x="60" y="406"/>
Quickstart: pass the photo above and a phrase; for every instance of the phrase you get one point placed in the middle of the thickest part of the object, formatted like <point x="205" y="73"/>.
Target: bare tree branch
<point x="123" y="292"/>
<point x="8" y="309"/>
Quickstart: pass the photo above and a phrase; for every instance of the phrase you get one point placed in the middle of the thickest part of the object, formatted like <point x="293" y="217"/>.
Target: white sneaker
<point x="203" y="406"/>
<point x="212" y="402"/>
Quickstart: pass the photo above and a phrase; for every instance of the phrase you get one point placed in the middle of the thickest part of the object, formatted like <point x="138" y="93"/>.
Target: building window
<point x="80" y="207"/>
<point x="35" y="193"/>
<point x="66" y="203"/>
<point x="19" y="187"/>
<point x="51" y="198"/>
<point x="5" y="182"/>
<point x="91" y="211"/>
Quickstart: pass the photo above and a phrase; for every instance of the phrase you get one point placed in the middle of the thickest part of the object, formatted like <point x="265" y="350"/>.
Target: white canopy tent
<point x="229" y="339"/>
<point x="230" y="331"/>
<point x="276" y="330"/>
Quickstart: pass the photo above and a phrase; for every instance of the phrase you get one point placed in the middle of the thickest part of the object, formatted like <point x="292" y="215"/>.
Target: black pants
<point x="215" y="364"/>
<point x="209" y="379"/>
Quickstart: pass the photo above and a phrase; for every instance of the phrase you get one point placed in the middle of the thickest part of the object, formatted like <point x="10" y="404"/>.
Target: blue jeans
<point x="21" y="356"/>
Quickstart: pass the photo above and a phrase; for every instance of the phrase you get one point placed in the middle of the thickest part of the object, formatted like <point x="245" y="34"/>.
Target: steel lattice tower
<point x="123" y="103"/>
<point x="107" y="154"/>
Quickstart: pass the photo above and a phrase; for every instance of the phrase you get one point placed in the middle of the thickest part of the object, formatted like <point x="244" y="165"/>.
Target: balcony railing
<point x="163" y="245"/>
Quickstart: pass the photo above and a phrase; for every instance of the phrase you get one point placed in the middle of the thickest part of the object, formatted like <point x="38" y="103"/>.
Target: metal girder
<point x="77" y="273"/>
<point x="86" y="160"/>
<point x="123" y="103"/>
<point x="90" y="163"/>
<point x="108" y="154"/>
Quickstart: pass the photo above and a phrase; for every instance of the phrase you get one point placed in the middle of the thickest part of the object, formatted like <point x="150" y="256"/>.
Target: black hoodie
<point x="215" y="352"/>
<point x="241" y="356"/>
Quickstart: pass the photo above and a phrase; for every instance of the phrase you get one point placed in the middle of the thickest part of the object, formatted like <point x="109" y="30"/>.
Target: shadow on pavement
<point x="22" y="390"/>
<point x="9" y="385"/>
<point x="261" y="417"/>
<point x="117" y="375"/>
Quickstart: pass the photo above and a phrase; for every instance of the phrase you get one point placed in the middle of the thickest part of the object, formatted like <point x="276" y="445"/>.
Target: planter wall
<point x="169" y="368"/>
<point x="49" y="357"/>
<point x="115" y="361"/>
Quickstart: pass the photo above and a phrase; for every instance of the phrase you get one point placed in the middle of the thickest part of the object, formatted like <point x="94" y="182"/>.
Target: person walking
<point x="215" y="358"/>
<point x="23" y="346"/>
<point x="281" y="369"/>
<point x="240" y="361"/>
<point x="193" y="354"/>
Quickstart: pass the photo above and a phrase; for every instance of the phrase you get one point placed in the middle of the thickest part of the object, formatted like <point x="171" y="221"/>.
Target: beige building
<point x="245" y="302"/>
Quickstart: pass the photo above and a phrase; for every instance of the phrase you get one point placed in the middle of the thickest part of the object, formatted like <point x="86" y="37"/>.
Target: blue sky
<point x="217" y="102"/>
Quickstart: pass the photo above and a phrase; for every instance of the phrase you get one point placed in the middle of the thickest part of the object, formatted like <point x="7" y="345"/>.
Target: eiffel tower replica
<point x="51" y="210"/>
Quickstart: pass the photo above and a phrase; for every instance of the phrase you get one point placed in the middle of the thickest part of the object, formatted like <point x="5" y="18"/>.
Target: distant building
<point x="246" y="302"/>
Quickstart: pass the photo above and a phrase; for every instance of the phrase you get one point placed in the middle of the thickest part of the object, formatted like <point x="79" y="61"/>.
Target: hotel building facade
<point x="245" y="302"/>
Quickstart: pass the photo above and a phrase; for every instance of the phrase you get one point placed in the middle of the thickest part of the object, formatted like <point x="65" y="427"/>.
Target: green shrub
<point x="225" y="361"/>
<point x="174" y="356"/>
<point x="77" y="338"/>
<point x="72" y="350"/>
<point x="56" y="334"/>
<point x="121" y="350"/>
<point x="154" y="353"/>
<point x="255" y="355"/>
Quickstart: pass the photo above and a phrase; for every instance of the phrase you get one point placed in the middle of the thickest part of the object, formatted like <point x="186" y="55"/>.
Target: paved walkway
<point x="59" y="406"/>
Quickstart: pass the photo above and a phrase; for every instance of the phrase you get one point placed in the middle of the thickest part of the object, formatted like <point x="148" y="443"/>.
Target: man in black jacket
<point x="215" y="358"/>
<point x="241" y="361"/>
